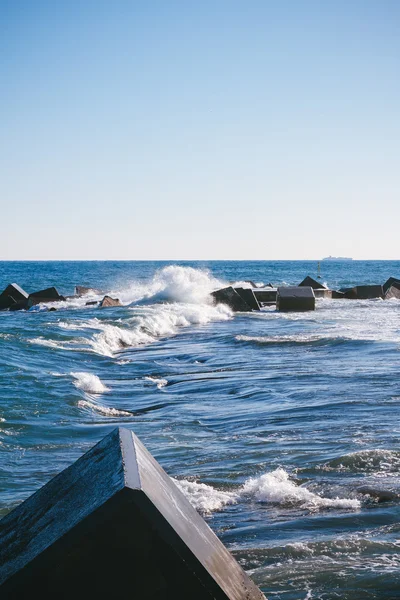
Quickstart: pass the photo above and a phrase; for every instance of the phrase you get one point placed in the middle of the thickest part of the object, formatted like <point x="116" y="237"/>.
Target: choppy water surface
<point x="270" y="423"/>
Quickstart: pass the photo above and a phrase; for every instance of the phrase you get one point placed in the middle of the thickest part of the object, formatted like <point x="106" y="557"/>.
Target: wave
<point x="103" y="410"/>
<point x="277" y="488"/>
<point x="88" y="382"/>
<point x="147" y="324"/>
<point x="380" y="460"/>
<point x="205" y="498"/>
<point x="159" y="382"/>
<point x="274" y="487"/>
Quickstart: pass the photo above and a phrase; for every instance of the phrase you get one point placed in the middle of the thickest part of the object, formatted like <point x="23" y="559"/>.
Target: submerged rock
<point x="379" y="494"/>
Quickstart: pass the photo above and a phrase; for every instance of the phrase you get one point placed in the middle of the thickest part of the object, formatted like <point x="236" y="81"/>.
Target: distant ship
<point x="337" y="258"/>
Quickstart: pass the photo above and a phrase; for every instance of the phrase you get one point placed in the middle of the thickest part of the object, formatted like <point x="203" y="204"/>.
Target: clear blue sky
<point x="205" y="129"/>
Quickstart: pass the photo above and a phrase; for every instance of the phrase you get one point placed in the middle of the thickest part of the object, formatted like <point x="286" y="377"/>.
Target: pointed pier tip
<point x="114" y="522"/>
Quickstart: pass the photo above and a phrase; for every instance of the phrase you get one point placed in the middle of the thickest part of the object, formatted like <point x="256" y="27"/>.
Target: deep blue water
<point x="270" y="422"/>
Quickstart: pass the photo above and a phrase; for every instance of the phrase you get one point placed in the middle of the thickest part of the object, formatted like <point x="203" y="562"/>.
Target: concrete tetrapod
<point x="114" y="523"/>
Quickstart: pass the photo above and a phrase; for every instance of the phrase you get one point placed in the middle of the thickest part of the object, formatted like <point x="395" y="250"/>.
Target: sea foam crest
<point x="205" y="498"/>
<point x="274" y="487"/>
<point x="88" y="382"/>
<point x="277" y="488"/>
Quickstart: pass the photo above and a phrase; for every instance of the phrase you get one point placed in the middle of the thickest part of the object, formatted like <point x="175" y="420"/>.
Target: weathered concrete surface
<point x="231" y="298"/>
<point x="81" y="290"/>
<point x="392" y="281"/>
<point x="108" y="302"/>
<point x="337" y="294"/>
<point x="295" y="298"/>
<point x="322" y="293"/>
<point x="48" y="295"/>
<point x="248" y="296"/>
<point x="13" y="297"/>
<point x="393" y="292"/>
<point x="115" y="524"/>
<point x="266" y="295"/>
<point x="364" y="292"/>
<point x="310" y="282"/>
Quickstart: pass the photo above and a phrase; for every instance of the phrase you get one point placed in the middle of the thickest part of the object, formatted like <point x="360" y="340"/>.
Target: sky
<point x="249" y="129"/>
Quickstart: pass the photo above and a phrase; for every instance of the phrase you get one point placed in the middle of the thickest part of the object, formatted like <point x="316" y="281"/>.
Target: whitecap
<point x="203" y="497"/>
<point x="88" y="382"/>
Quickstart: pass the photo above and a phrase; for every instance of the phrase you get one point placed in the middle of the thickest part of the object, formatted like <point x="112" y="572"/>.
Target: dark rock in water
<point x="52" y="309"/>
<point x="13" y="297"/>
<point x="248" y="296"/>
<point x="310" y="282"/>
<point x="266" y="295"/>
<point x="322" y="293"/>
<point x="231" y="298"/>
<point x="115" y="525"/>
<point x="107" y="302"/>
<point x="295" y="298"/>
<point x="393" y="292"/>
<point x="337" y="295"/>
<point x="364" y="292"/>
<point x="91" y="303"/>
<point x="392" y="281"/>
<point x="47" y="295"/>
<point x="380" y="495"/>
<point x="81" y="290"/>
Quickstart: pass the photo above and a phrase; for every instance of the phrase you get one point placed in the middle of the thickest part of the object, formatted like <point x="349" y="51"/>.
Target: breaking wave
<point x="274" y="487"/>
<point x="103" y="410"/>
<point x="88" y="382"/>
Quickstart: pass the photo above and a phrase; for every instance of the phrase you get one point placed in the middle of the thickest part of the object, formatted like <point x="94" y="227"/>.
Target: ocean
<point x="274" y="425"/>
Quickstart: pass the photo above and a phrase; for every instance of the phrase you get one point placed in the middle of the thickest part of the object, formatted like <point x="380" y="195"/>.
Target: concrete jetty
<point x="114" y="523"/>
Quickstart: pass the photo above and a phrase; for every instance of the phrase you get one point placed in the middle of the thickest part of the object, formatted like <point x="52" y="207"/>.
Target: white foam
<point x="103" y="410"/>
<point x="276" y="487"/>
<point x="204" y="497"/>
<point x="88" y="382"/>
<point x="160" y="383"/>
<point x="152" y="322"/>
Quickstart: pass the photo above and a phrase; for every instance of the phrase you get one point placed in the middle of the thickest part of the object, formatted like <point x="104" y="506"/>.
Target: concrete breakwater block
<point x="81" y="290"/>
<point x="48" y="295"/>
<point x="230" y="297"/>
<point x="295" y="298"/>
<point x="248" y="296"/>
<point x="266" y="295"/>
<point x="337" y="294"/>
<point x="114" y="523"/>
<point x="364" y="292"/>
<point x="392" y="281"/>
<point x="393" y="292"/>
<point x="322" y="293"/>
<point x="107" y="302"/>
<point x="310" y="282"/>
<point x="13" y="297"/>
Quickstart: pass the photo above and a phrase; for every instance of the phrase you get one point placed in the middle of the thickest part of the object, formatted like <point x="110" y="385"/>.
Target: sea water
<point x="269" y="423"/>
